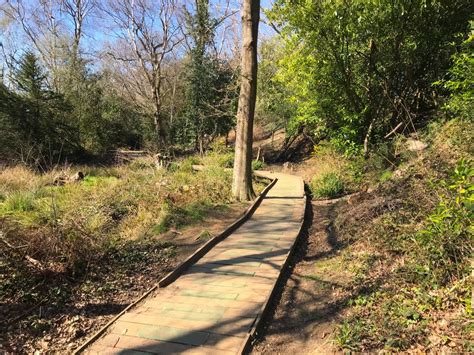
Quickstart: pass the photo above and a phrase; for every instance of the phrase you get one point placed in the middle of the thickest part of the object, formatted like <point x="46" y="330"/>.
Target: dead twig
<point x="393" y="130"/>
<point x="33" y="262"/>
<point x="7" y="322"/>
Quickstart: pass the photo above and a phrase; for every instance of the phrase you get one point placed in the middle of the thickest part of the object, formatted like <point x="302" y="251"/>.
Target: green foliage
<point x="177" y="216"/>
<point x="35" y="119"/>
<point x="257" y="165"/>
<point x="19" y="202"/>
<point x="446" y="242"/>
<point x="42" y="126"/>
<point x="386" y="175"/>
<point x="356" y="69"/>
<point x="461" y="82"/>
<point x="30" y="77"/>
<point x="227" y="160"/>
<point x="104" y="120"/>
<point x="97" y="180"/>
<point x="210" y="86"/>
<point x="329" y="185"/>
<point x="348" y="335"/>
<point x="273" y="109"/>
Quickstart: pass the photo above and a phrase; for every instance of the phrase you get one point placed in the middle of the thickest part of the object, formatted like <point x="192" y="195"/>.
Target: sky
<point x="97" y="32"/>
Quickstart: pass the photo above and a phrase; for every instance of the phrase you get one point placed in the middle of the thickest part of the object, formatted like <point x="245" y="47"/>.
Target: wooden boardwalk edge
<point x="198" y="254"/>
<point x="251" y="336"/>
<point x="190" y="260"/>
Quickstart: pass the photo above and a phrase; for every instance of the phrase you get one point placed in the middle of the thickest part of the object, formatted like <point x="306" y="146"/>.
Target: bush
<point x="461" y="82"/>
<point x="446" y="242"/>
<point x="329" y="185"/>
<point x="257" y="165"/>
<point x="226" y="160"/>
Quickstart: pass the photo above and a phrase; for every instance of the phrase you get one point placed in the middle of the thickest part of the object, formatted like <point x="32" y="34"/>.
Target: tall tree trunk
<point x="242" y="178"/>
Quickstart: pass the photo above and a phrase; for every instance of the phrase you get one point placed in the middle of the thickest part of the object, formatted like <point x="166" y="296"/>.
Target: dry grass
<point x="66" y="228"/>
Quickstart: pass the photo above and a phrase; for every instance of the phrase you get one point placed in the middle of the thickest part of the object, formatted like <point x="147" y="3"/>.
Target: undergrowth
<point x="411" y="286"/>
<point x="335" y="173"/>
<point x="67" y="229"/>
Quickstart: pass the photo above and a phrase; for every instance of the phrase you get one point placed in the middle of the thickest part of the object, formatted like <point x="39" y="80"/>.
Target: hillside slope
<point x="387" y="266"/>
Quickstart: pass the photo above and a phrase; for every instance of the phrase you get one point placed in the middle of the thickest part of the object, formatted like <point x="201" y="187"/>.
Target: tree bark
<point x="242" y="178"/>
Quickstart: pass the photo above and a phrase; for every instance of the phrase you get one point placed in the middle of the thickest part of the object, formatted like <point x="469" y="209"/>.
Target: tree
<point x="149" y="30"/>
<point x="358" y="69"/>
<point x="201" y="71"/>
<point x="77" y="11"/>
<point x="242" y="177"/>
<point x="273" y="111"/>
<point x="40" y="22"/>
<point x="460" y="82"/>
<point x="43" y="115"/>
<point x="209" y="81"/>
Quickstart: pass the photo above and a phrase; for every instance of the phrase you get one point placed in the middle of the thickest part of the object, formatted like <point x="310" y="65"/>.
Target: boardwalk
<point x="213" y="306"/>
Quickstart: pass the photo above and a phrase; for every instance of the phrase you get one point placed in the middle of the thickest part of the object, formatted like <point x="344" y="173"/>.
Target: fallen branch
<point x="4" y="241"/>
<point x="393" y="130"/>
<point x="33" y="262"/>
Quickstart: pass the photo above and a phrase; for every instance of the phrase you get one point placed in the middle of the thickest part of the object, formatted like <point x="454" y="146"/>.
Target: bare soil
<point x="314" y="291"/>
<point x="84" y="305"/>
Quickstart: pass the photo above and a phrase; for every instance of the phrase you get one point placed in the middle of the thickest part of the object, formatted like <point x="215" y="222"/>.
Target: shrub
<point x="330" y="185"/>
<point x="226" y="160"/>
<point x="461" y="82"/>
<point x="446" y="242"/>
<point x="257" y="165"/>
<point x="386" y="175"/>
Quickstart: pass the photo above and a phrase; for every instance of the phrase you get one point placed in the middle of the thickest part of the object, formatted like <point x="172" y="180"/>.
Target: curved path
<point x="213" y="307"/>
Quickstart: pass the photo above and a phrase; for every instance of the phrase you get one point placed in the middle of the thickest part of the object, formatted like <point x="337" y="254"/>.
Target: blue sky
<point x="97" y="32"/>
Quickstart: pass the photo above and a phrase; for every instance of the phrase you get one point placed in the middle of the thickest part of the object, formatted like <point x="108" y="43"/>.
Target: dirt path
<point x="312" y="295"/>
<point x="212" y="307"/>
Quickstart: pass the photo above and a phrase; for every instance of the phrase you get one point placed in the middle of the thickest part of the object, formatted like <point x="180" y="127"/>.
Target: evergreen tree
<point x="43" y="115"/>
<point x="209" y="102"/>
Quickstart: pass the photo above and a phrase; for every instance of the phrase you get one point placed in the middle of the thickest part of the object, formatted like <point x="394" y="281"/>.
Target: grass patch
<point x="20" y="201"/>
<point x="330" y="185"/>
<point x="385" y="176"/>
<point x="258" y="165"/>
<point x="91" y="180"/>
<point x="71" y="226"/>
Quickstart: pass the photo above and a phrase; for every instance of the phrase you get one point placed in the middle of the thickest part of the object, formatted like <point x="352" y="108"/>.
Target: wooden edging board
<point x="190" y="260"/>
<point x="251" y="335"/>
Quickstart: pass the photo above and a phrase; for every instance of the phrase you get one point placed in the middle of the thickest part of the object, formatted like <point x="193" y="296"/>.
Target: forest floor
<point x="121" y="278"/>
